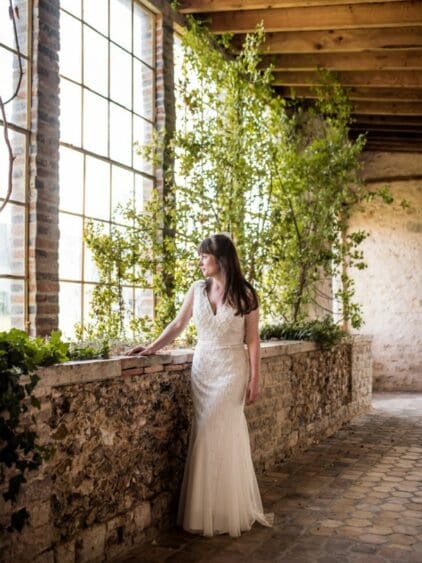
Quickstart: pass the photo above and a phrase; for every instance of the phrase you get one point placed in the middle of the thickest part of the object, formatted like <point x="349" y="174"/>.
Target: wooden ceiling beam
<point x="201" y="6"/>
<point x="369" y="15"/>
<point x="388" y="108"/>
<point x="358" y="93"/>
<point x="384" y="78"/>
<point x="335" y="41"/>
<point x="367" y="60"/>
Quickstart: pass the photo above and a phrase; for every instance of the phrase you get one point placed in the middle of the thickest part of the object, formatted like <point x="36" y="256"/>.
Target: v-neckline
<point x="210" y="305"/>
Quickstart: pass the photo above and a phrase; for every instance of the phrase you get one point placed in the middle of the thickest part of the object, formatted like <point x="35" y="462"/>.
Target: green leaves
<point x="20" y="356"/>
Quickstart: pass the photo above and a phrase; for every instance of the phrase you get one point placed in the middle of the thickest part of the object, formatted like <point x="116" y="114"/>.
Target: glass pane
<point x="143" y="191"/>
<point x="120" y="76"/>
<point x="128" y="300"/>
<point x="95" y="123"/>
<point x="70" y="111"/>
<point x="144" y="302"/>
<point x="121" y="22"/>
<point x="95" y="61"/>
<point x="73" y="6"/>
<point x="143" y="34"/>
<point x="12" y="300"/>
<point x="90" y="269"/>
<point x="122" y="189"/>
<point x="17" y="141"/>
<point x="7" y="36"/>
<point x="9" y="73"/>
<point x="12" y="240"/>
<point x="142" y="134"/>
<point x="96" y="16"/>
<point x="71" y="180"/>
<point x="143" y="90"/>
<point x="70" y="47"/>
<point x="70" y="308"/>
<point x="88" y="289"/>
<point x="70" y="247"/>
<point x="97" y="188"/>
<point x="120" y="135"/>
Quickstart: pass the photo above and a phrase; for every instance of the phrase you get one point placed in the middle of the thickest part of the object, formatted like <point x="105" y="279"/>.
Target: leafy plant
<point x="19" y="451"/>
<point x="325" y="332"/>
<point x="281" y="181"/>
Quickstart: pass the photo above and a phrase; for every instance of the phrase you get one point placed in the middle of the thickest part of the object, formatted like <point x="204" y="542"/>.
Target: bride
<point x="219" y="492"/>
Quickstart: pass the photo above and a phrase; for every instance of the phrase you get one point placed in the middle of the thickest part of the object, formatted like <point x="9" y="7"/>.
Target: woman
<point x="219" y="492"/>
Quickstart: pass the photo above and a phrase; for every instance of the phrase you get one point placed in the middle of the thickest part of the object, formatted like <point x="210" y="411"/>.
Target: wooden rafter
<point x="368" y="15"/>
<point x="366" y="60"/>
<point x="201" y="6"/>
<point x="334" y="41"/>
<point x="363" y="93"/>
<point x="385" y="78"/>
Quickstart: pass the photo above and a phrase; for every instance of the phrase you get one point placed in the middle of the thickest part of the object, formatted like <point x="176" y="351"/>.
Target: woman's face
<point x="208" y="264"/>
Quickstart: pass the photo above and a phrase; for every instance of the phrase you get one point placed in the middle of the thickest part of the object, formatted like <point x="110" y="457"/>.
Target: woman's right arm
<point x="171" y="331"/>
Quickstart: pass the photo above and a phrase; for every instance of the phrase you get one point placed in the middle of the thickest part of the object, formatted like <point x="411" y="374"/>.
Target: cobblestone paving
<point x="356" y="497"/>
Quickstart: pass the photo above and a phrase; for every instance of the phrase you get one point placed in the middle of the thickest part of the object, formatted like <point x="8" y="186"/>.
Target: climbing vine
<point x="19" y="450"/>
<point x="280" y="179"/>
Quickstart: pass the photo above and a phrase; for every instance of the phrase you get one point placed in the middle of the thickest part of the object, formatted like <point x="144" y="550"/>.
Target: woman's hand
<point x="140" y="351"/>
<point x="252" y="392"/>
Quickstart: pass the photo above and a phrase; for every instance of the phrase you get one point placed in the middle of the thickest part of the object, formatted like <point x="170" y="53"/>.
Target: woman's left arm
<point x="253" y="344"/>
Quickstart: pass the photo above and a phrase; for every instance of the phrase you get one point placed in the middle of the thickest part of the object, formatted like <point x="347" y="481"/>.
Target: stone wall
<point x="390" y="289"/>
<point x="120" y="432"/>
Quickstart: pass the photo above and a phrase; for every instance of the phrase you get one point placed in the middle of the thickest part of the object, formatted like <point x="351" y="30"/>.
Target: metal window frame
<point x="28" y="57"/>
<point x="111" y="162"/>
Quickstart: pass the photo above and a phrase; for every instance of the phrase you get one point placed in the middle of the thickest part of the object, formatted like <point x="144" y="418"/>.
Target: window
<point x="13" y="218"/>
<point x="107" y="82"/>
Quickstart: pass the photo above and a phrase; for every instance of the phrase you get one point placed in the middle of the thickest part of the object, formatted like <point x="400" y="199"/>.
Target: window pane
<point x="121" y="22"/>
<point x="7" y="36"/>
<point x="143" y="34"/>
<point x="70" y="112"/>
<point x="142" y="134"/>
<point x="120" y="76"/>
<point x="122" y="188"/>
<point x="90" y="269"/>
<point x="71" y="180"/>
<point x="97" y="188"/>
<point x="70" y="247"/>
<point x="95" y="61"/>
<point x="12" y="240"/>
<point x="70" y="47"/>
<point x="88" y="289"/>
<point x="96" y="16"/>
<point x="18" y="141"/>
<point x="70" y="308"/>
<point x="120" y="134"/>
<point x="143" y="191"/>
<point x="95" y="123"/>
<point x="144" y="302"/>
<point x="9" y="73"/>
<point x="143" y="90"/>
<point x="12" y="300"/>
<point x="73" y="6"/>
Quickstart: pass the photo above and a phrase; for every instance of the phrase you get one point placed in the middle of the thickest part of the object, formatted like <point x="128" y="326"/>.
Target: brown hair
<point x="238" y="293"/>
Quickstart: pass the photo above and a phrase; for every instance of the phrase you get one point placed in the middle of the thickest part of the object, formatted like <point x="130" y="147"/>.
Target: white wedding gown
<point x="219" y="492"/>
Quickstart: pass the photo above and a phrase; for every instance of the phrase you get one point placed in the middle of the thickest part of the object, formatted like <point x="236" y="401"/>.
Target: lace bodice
<point x="222" y="328"/>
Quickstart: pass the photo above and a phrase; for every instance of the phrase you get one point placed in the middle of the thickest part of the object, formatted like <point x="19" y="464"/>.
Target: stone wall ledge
<point x="87" y="371"/>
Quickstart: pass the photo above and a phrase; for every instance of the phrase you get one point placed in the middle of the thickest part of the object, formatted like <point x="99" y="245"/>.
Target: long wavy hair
<point x="238" y="293"/>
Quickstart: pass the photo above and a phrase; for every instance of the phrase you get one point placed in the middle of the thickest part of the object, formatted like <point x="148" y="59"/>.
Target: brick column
<point x="44" y="170"/>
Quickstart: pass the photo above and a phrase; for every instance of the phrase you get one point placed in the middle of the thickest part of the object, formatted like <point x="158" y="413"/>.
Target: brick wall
<point x="120" y="432"/>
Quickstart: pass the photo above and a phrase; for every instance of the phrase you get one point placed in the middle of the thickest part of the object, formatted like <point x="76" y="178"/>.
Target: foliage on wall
<point x="281" y="180"/>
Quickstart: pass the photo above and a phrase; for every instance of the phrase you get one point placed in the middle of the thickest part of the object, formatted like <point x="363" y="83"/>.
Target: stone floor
<point x="356" y="497"/>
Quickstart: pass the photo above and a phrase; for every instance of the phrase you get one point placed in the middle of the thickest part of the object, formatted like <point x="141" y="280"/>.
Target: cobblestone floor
<point x="356" y="497"/>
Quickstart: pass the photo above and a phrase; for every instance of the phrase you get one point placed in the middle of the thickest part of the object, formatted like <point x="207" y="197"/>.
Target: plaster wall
<point x="390" y="289"/>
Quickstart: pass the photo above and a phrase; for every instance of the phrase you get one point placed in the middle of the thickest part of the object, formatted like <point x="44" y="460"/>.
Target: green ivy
<point x="20" y="356"/>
